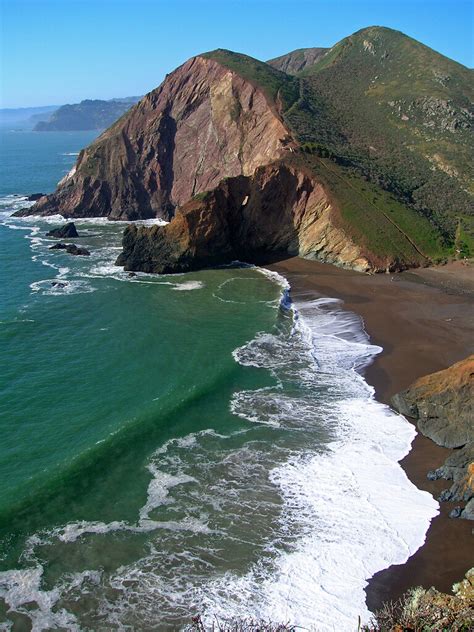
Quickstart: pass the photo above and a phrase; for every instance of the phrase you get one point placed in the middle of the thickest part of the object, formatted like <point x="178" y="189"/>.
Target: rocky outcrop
<point x="204" y="123"/>
<point x="442" y="404"/>
<point x="278" y="210"/>
<point x="34" y="197"/>
<point x="67" y="231"/>
<point x="71" y="249"/>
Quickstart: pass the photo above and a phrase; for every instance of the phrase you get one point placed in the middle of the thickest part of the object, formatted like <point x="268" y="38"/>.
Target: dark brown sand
<point x="424" y="320"/>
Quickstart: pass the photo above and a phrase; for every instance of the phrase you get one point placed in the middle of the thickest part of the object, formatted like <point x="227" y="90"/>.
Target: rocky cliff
<point x="443" y="406"/>
<point x="202" y="124"/>
<point x="277" y="210"/>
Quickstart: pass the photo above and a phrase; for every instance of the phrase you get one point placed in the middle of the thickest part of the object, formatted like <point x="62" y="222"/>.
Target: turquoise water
<point x="178" y="445"/>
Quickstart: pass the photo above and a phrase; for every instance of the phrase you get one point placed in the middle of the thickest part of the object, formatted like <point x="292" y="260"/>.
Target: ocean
<point x="182" y="445"/>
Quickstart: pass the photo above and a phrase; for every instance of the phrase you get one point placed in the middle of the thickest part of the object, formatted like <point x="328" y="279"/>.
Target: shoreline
<point x="423" y="321"/>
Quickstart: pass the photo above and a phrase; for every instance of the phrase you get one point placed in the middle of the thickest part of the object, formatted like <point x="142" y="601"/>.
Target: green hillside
<point x="394" y="117"/>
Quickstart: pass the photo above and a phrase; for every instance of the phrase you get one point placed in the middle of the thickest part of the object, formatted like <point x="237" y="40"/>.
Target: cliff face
<point x="202" y="124"/>
<point x="278" y="210"/>
<point x="442" y="404"/>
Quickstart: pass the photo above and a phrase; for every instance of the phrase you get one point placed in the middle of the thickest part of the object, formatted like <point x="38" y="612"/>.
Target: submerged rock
<point x="72" y="249"/>
<point x="67" y="231"/>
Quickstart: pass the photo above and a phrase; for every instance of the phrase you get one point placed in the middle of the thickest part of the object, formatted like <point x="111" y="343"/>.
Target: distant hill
<point x="87" y="115"/>
<point x="25" y="118"/>
<point x="296" y="61"/>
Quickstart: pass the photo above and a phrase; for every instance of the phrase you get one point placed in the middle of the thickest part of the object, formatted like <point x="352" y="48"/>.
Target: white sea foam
<point x="20" y="587"/>
<point x="188" y="285"/>
<point x="355" y="509"/>
<point x="61" y="287"/>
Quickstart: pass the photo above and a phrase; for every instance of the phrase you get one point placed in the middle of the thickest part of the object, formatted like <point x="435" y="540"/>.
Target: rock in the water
<point x="72" y="249"/>
<point x="459" y="468"/>
<point x="59" y="284"/>
<point x="455" y="513"/>
<point x="67" y="231"/>
<point x="445" y="496"/>
<point x="34" y="197"/>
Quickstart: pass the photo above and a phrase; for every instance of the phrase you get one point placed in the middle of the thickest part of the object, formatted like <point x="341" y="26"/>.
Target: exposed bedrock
<point x="278" y="211"/>
<point x="202" y="124"/>
<point x="442" y="404"/>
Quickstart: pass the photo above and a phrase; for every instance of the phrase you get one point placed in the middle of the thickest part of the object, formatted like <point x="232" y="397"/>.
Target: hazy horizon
<point x="118" y="48"/>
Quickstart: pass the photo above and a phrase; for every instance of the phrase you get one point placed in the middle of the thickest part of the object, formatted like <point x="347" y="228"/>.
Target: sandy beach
<point x="424" y="320"/>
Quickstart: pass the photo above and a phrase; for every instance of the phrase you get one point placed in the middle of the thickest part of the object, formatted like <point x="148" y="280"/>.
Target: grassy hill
<point x="394" y="120"/>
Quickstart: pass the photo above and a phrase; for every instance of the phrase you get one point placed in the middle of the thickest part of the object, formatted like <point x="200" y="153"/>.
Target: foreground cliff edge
<point x="342" y="157"/>
<point x="442" y="405"/>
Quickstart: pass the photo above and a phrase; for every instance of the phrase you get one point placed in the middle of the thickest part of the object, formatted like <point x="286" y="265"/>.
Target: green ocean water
<point x="166" y="440"/>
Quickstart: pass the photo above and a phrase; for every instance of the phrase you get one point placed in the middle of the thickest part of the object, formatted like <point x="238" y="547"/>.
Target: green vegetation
<point x="276" y="85"/>
<point x="388" y="122"/>
<point x="238" y="625"/>
<point x="374" y="217"/>
<point x="428" y="610"/>
<point x="404" y="115"/>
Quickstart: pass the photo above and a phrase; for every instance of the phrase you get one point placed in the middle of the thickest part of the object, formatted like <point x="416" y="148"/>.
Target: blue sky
<point x="62" y="51"/>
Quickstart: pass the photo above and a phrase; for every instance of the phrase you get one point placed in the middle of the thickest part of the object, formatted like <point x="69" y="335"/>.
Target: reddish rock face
<point x="202" y="124"/>
<point x="277" y="210"/>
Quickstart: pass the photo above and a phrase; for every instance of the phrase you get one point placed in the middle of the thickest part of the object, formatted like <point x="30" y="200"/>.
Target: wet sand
<point x="424" y="320"/>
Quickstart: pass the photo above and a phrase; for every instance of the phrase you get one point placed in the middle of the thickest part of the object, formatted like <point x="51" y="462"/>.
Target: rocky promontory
<point x="442" y="404"/>
<point x="204" y="123"/>
<point x="277" y="210"/>
<point x="363" y="192"/>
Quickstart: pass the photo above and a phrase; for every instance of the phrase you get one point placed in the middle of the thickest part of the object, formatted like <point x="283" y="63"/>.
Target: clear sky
<point x="62" y="51"/>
